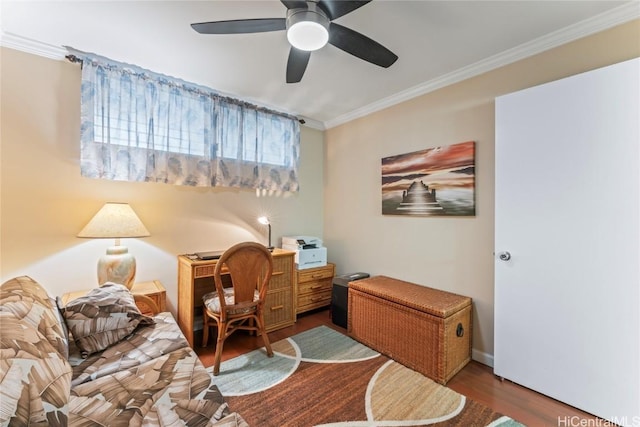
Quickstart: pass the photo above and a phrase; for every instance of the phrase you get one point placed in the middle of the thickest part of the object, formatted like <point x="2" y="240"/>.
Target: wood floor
<point x="476" y="381"/>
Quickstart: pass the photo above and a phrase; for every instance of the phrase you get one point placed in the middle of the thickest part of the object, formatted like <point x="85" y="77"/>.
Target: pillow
<point x="35" y="376"/>
<point x="103" y="317"/>
<point x="27" y="300"/>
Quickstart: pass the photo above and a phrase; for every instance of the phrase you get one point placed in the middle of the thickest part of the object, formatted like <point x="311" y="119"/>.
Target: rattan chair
<point x="249" y="266"/>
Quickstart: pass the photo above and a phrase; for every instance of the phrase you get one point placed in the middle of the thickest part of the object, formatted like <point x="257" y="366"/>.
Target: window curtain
<point x="137" y="125"/>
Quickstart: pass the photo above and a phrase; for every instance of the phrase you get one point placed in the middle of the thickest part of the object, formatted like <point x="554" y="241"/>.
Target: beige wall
<point x="45" y="202"/>
<point x="454" y="254"/>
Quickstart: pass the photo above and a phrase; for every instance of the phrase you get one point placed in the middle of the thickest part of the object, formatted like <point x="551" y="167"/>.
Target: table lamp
<point x="265" y="221"/>
<point x="115" y="221"/>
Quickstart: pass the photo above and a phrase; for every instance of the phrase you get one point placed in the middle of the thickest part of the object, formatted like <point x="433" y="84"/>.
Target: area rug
<point x="323" y="378"/>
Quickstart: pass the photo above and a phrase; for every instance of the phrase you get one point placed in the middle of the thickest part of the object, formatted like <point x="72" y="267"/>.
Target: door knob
<point x="504" y="256"/>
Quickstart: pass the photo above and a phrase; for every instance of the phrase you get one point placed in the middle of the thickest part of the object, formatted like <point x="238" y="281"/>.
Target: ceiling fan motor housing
<point x="307" y="28"/>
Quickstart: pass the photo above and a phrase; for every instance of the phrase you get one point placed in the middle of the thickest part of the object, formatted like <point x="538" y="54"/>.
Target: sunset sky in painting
<point x="430" y="160"/>
<point x="451" y="166"/>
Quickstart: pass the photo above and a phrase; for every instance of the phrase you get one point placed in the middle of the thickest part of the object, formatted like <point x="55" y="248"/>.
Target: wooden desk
<point x="195" y="278"/>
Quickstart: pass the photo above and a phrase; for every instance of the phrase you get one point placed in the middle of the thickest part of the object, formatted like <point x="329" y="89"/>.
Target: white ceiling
<point x="438" y="43"/>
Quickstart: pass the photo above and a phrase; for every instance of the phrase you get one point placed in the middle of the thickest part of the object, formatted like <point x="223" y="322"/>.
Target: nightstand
<point x="152" y="289"/>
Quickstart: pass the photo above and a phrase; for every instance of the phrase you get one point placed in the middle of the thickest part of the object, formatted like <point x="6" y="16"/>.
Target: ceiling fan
<point x="309" y="27"/>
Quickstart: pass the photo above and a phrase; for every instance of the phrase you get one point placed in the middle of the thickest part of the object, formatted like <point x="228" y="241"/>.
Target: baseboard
<point x="482" y="357"/>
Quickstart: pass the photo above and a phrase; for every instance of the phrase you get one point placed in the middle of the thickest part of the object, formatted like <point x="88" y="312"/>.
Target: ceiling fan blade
<point x="294" y="4"/>
<point x="360" y="45"/>
<point x="337" y="8"/>
<point x="241" y="26"/>
<point x="297" y="64"/>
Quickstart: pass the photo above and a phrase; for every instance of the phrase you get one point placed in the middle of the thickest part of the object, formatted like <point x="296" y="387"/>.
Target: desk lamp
<point x="265" y="221"/>
<point x="115" y="221"/>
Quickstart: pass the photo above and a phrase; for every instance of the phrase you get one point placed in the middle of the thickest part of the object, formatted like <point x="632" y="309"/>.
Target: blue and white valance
<point x="137" y="125"/>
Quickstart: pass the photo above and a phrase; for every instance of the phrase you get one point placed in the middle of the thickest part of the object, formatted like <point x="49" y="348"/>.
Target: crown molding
<point x="313" y="124"/>
<point x="609" y="19"/>
<point x="24" y="44"/>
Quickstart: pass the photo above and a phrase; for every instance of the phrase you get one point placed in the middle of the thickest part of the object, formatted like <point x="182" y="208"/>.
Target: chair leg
<point x="265" y="337"/>
<point x="205" y="330"/>
<point x="222" y="331"/>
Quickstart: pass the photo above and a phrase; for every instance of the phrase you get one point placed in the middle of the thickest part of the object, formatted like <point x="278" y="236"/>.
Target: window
<point x="142" y="126"/>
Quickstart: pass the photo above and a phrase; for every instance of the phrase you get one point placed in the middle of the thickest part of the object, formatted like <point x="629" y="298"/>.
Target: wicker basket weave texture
<point x="433" y="301"/>
<point x="400" y="324"/>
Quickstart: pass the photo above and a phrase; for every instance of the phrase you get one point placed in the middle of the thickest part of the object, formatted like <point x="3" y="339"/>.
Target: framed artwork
<point x="438" y="181"/>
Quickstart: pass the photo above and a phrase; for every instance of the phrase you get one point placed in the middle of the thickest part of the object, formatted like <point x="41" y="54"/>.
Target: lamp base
<point x="117" y="266"/>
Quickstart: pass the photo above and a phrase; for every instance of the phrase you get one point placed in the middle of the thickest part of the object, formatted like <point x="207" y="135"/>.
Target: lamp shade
<point x="114" y="220"/>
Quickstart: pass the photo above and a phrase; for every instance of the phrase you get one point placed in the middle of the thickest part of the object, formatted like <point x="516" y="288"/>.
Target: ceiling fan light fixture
<point x="307" y="29"/>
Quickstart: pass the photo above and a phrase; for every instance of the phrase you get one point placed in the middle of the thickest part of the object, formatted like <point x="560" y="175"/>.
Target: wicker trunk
<point x="425" y="329"/>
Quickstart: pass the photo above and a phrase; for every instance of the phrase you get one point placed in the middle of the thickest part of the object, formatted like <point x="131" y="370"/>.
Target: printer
<point x="309" y="251"/>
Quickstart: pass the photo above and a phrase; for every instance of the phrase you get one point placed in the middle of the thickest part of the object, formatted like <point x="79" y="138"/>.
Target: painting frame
<point x="436" y="181"/>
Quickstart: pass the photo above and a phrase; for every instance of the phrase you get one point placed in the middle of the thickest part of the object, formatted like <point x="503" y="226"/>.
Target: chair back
<point x="250" y="266"/>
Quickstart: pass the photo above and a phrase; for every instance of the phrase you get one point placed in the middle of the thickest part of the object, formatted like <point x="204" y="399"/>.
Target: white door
<point x="568" y="214"/>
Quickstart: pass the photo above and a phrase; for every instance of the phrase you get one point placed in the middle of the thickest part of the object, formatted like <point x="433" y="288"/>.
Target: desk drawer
<point x="278" y="309"/>
<point x="203" y="270"/>
<point x="281" y="275"/>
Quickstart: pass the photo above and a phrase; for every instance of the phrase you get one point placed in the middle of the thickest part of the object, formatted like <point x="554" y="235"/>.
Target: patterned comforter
<point x="149" y="378"/>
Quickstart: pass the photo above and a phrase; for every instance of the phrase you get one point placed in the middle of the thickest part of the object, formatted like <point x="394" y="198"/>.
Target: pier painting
<point x="437" y="181"/>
